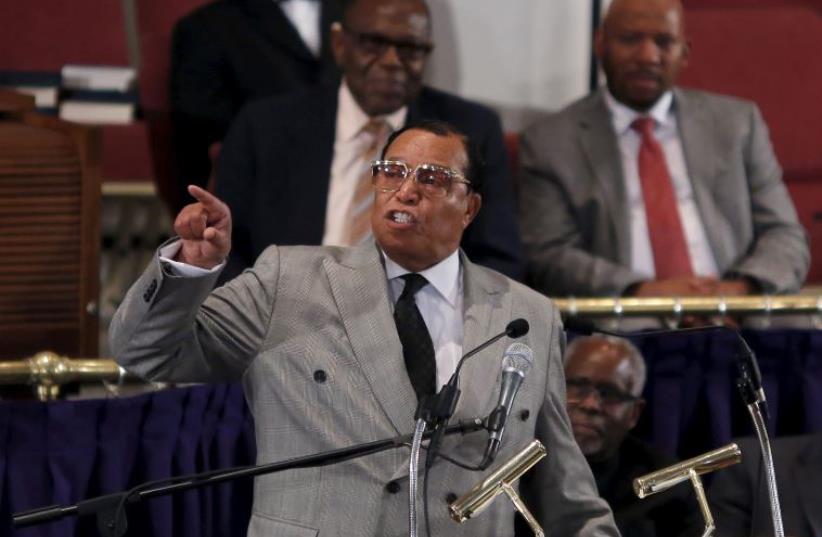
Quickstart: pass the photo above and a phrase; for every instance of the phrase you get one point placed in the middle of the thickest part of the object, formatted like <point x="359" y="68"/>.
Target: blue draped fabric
<point x="65" y="451"/>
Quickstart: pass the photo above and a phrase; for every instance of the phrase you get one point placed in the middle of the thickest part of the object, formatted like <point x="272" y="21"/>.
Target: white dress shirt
<point x="440" y="304"/>
<point x="667" y="134"/>
<point x="346" y="164"/>
<point x="305" y="17"/>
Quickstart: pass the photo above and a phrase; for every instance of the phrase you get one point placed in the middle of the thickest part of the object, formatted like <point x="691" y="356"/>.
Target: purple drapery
<point x="65" y="451"/>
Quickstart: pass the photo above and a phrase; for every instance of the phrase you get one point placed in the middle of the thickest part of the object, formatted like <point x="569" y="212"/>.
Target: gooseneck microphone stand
<point x="750" y="387"/>
<point x="110" y="509"/>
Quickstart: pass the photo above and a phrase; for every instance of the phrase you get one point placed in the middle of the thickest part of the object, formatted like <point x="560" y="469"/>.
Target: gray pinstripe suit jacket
<point x="575" y="219"/>
<point x="305" y="309"/>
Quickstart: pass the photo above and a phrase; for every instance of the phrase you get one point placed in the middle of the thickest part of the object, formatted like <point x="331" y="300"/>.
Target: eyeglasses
<point x="434" y="180"/>
<point x="578" y="390"/>
<point x="376" y="45"/>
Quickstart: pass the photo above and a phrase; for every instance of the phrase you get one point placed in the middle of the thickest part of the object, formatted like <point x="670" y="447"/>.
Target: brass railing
<point x="668" y="306"/>
<point x="47" y="371"/>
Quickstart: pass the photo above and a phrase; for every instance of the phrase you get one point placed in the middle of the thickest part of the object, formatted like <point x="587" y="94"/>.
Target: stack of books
<point x="43" y="85"/>
<point x="98" y="94"/>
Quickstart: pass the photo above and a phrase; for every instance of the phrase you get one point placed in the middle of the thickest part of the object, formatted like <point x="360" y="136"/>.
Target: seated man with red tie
<point x="647" y="189"/>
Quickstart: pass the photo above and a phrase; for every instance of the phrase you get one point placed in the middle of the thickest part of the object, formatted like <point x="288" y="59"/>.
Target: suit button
<point x="525" y="414"/>
<point x="320" y="376"/>
<point x="392" y="487"/>
<point x="450" y="497"/>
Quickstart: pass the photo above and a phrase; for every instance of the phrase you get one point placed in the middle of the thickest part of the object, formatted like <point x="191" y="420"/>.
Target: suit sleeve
<point x="552" y="231"/>
<point x="493" y="238"/>
<point x="202" y="103"/>
<point x="566" y="500"/>
<point x="779" y="257"/>
<point x="174" y="329"/>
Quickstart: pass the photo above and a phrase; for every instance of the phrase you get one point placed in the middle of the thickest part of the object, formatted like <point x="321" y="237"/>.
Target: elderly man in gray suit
<point x="646" y="189"/>
<point x="312" y="333"/>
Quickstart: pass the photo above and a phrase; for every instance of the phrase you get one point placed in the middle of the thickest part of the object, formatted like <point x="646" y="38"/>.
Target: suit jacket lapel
<point x="272" y="23"/>
<point x="360" y="290"/>
<point x="807" y="476"/>
<point x="487" y="310"/>
<point x="596" y="133"/>
<point x="703" y="161"/>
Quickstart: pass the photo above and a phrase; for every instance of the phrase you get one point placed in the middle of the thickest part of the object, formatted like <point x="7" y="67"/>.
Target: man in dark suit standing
<point x="739" y="494"/>
<point x="295" y="168"/>
<point x="230" y="52"/>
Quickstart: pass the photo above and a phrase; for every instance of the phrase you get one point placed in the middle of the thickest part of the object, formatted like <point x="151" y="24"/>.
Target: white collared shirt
<point x="667" y="134"/>
<point x="304" y="16"/>
<point x="440" y="304"/>
<point x="346" y="167"/>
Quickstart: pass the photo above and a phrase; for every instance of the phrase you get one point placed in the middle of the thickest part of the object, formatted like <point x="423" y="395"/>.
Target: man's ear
<point x="636" y="412"/>
<point x="599" y="43"/>
<point x="472" y="208"/>
<point x="337" y="42"/>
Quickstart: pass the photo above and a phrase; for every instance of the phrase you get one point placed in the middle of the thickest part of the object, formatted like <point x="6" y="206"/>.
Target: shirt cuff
<point x="184" y="270"/>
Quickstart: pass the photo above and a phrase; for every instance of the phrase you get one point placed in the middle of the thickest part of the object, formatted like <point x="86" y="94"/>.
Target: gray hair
<point x="631" y="352"/>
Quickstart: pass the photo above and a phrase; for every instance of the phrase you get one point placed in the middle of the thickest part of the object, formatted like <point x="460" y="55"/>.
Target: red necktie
<point x="671" y="258"/>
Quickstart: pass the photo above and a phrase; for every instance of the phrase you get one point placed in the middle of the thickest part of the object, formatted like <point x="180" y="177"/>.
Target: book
<point x="44" y="86"/>
<point x="98" y="106"/>
<point x="99" y="77"/>
<point x="101" y="113"/>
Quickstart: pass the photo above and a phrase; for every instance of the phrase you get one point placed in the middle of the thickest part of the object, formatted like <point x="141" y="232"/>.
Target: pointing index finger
<point x="209" y="200"/>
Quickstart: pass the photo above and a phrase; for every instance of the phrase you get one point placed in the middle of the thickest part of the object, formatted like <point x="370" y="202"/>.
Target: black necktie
<point x="417" y="348"/>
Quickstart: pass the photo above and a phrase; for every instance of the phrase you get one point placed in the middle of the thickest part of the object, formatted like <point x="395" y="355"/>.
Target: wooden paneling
<point x="49" y="236"/>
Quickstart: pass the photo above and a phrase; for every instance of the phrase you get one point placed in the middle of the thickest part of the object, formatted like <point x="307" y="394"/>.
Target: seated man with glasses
<point x="604" y="379"/>
<point x="295" y="169"/>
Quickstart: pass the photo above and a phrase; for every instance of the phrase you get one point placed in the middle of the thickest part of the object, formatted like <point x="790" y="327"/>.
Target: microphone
<point x="500" y="480"/>
<point x="439" y="408"/>
<point x="442" y="405"/>
<point x="676" y="473"/>
<point x="516" y="362"/>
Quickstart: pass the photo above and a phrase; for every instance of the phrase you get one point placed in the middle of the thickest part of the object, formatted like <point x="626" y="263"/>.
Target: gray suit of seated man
<point x="586" y="224"/>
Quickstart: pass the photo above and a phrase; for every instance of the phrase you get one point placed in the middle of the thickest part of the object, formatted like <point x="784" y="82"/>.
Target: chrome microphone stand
<point x="770" y="474"/>
<point x="750" y="387"/>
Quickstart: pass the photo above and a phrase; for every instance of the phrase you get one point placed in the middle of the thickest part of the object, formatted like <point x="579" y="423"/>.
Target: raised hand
<point x="205" y="230"/>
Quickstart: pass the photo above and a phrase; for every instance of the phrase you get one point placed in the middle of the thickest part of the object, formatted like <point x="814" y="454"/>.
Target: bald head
<point x="607" y="359"/>
<point x="641" y="45"/>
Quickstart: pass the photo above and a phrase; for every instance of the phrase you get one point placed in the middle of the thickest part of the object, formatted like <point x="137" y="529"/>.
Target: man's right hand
<point x="204" y="227"/>
<point x="687" y="286"/>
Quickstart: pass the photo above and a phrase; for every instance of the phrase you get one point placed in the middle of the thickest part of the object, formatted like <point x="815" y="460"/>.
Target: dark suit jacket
<point x="671" y="513"/>
<point x="226" y="54"/>
<point x="275" y="167"/>
<point x="739" y="497"/>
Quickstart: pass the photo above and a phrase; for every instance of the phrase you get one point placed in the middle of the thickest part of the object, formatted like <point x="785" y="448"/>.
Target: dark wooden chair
<point x="49" y="232"/>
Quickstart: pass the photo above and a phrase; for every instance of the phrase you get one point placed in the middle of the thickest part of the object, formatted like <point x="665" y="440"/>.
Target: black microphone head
<point x="517" y="328"/>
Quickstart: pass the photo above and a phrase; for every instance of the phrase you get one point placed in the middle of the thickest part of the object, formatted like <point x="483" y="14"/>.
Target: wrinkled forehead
<point x="600" y="362"/>
<point x="394" y="18"/>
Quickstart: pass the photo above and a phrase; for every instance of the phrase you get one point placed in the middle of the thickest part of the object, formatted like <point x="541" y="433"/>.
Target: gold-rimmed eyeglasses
<point x="433" y="180"/>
